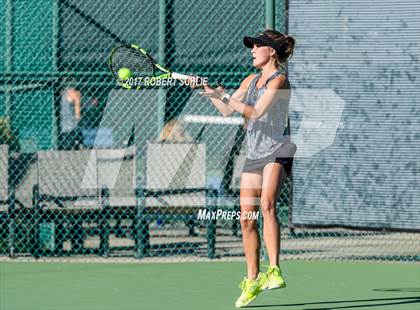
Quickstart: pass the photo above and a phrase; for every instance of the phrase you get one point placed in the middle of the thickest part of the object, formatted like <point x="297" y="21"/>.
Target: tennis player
<point x="263" y="100"/>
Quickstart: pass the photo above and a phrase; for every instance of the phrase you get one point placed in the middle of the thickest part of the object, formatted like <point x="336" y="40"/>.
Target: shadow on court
<point x="364" y="303"/>
<point x="404" y="289"/>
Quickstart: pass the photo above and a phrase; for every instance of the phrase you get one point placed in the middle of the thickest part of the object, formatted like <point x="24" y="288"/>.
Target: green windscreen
<point x="32" y="119"/>
<point x="32" y="35"/>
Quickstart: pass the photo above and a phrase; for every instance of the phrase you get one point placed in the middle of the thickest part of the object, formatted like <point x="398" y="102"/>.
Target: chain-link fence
<point x="132" y="175"/>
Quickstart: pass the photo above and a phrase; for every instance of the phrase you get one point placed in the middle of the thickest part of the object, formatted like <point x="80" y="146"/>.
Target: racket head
<point x="134" y="58"/>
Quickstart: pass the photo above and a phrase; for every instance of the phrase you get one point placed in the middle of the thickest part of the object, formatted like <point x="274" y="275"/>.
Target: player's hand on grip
<point x="216" y="93"/>
<point x="194" y="81"/>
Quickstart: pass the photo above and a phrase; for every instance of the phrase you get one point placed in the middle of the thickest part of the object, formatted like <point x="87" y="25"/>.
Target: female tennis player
<point x="263" y="100"/>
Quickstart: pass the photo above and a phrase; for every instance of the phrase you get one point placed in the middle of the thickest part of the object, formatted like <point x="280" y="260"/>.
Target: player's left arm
<point x="275" y="90"/>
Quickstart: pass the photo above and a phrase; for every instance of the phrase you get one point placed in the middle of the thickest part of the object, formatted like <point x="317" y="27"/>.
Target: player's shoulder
<point x="247" y="81"/>
<point x="280" y="81"/>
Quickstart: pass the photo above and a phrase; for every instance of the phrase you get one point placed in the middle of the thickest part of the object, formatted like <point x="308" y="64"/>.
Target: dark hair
<point x="285" y="42"/>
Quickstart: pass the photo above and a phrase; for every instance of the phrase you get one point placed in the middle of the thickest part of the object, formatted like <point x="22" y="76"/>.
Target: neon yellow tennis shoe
<point x="273" y="279"/>
<point x="250" y="290"/>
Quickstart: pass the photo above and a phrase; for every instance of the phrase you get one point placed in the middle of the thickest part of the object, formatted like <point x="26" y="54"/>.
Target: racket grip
<point x="180" y="76"/>
<point x="185" y="77"/>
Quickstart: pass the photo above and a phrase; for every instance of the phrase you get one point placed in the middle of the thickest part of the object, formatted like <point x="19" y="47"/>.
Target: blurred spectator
<point x="93" y="134"/>
<point x="91" y="114"/>
<point x="174" y="131"/>
<point x="70" y="112"/>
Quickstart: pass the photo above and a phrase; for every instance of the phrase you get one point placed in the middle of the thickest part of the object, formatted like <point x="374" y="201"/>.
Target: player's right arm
<point x="239" y="95"/>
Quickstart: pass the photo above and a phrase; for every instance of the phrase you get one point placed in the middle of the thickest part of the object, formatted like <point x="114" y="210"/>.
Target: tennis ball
<point x="124" y="73"/>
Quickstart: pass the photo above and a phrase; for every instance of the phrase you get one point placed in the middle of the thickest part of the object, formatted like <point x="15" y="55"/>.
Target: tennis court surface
<point x="310" y="285"/>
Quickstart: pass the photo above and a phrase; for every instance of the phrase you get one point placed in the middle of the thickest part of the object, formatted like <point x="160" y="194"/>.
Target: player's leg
<point x="249" y="201"/>
<point x="250" y="192"/>
<point x="273" y="177"/>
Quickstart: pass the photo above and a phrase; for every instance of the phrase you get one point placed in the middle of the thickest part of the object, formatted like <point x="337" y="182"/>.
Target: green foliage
<point x="7" y="136"/>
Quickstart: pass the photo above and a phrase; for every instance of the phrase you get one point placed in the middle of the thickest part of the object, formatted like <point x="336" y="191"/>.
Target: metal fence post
<point x="104" y="222"/>
<point x="35" y="218"/>
<point x="211" y="201"/>
<point x="140" y="225"/>
<point x="270" y="15"/>
<point x="11" y="210"/>
<point x="162" y="60"/>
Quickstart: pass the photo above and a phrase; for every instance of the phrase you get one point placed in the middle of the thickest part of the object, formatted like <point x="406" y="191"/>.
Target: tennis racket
<point x="133" y="68"/>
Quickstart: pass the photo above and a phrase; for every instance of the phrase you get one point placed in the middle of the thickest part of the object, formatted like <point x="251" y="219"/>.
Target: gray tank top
<point x="265" y="135"/>
<point x="68" y="120"/>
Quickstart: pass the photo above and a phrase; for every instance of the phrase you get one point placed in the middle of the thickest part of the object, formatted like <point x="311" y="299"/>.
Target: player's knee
<point x="248" y="224"/>
<point x="268" y="206"/>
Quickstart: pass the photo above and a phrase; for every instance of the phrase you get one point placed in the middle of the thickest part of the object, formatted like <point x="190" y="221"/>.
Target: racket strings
<point x="138" y="63"/>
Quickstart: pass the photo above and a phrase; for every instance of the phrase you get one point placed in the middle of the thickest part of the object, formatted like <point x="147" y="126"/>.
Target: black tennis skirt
<point x="257" y="165"/>
<point x="283" y="156"/>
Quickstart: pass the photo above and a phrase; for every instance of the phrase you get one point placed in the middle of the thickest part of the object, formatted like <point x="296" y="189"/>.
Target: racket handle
<point x="185" y="77"/>
<point x="180" y="76"/>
